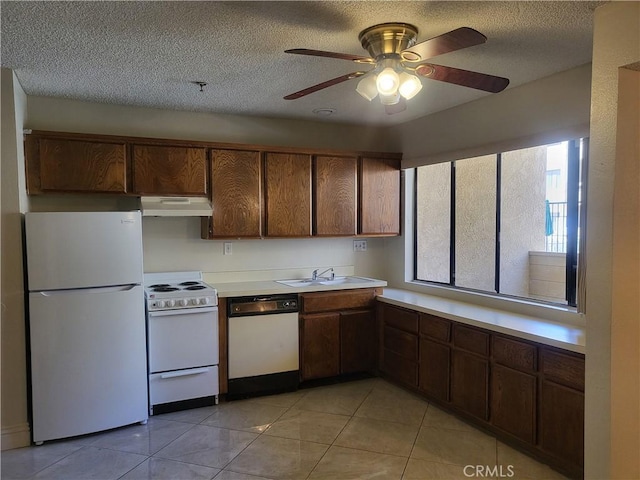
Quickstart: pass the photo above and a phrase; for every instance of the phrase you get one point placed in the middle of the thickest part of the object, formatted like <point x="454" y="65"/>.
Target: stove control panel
<point x="178" y="303"/>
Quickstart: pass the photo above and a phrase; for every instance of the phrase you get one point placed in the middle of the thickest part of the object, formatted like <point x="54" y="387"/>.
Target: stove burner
<point x="187" y="284"/>
<point x="196" y="287"/>
<point x="165" y="289"/>
<point x="159" y="285"/>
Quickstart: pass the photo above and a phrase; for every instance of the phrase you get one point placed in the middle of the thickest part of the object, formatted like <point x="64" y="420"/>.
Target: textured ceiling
<point x="148" y="53"/>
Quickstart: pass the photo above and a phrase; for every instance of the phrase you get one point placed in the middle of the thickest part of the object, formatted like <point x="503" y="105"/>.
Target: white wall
<point x="56" y="114"/>
<point x="616" y="44"/>
<point x="625" y="317"/>
<point x="537" y="113"/>
<point x="15" y="427"/>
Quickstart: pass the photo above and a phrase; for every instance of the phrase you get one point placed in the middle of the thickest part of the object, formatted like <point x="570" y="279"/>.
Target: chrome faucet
<point x="315" y="275"/>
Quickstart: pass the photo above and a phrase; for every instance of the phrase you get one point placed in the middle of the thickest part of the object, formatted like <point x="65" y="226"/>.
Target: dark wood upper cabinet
<point x="167" y="170"/>
<point x="256" y="192"/>
<point x="78" y="166"/>
<point x="379" y="196"/>
<point x="335" y="201"/>
<point x="288" y="195"/>
<point x="236" y="192"/>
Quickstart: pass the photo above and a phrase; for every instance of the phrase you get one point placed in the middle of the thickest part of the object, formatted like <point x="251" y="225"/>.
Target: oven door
<point x="183" y="338"/>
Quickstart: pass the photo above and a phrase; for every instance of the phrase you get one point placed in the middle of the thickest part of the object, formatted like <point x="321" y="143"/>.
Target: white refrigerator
<point x="86" y="322"/>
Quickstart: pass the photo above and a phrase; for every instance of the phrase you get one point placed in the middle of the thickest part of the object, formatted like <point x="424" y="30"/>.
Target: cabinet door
<point x="320" y="346"/>
<point x="379" y="197"/>
<point x="358" y="341"/>
<point x="400" y="355"/>
<point x="434" y="369"/>
<point x="513" y="402"/>
<point x="62" y="165"/>
<point x="165" y="170"/>
<point x="288" y="195"/>
<point x="470" y="383"/>
<point x="236" y="192"/>
<point x="561" y="428"/>
<point x="335" y="196"/>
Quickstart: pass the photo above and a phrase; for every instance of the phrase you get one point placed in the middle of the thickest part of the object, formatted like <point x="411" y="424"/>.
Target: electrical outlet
<point x="359" y="245"/>
<point x="228" y="248"/>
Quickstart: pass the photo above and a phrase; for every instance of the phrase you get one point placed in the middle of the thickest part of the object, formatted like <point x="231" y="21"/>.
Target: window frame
<point x="576" y="209"/>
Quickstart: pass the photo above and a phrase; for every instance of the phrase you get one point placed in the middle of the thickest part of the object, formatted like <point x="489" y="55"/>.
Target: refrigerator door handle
<point x="184" y="373"/>
<point x="113" y="289"/>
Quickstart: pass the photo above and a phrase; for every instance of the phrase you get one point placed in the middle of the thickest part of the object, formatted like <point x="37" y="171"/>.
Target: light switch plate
<point x="359" y="245"/>
<point x="228" y="248"/>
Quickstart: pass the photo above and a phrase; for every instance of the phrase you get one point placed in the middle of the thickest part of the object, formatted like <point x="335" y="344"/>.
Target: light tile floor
<point x="365" y="429"/>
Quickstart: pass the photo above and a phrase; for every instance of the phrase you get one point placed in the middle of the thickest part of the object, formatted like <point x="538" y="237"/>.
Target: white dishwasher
<point x="263" y="345"/>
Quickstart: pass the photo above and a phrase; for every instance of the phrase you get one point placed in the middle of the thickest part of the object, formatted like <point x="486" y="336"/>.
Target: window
<point x="506" y="223"/>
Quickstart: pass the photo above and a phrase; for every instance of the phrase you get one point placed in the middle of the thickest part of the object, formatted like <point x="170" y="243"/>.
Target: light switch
<point x="228" y="248"/>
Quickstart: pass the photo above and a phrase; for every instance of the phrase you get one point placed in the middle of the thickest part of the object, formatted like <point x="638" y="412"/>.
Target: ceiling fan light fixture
<point x="387" y="82"/>
<point x="367" y="87"/>
<point x="390" y="99"/>
<point x="410" y="85"/>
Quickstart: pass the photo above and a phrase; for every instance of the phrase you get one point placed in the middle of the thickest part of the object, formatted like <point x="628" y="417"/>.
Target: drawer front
<point x="435" y="327"/>
<point x="338" y="300"/>
<point x="400" y="368"/>
<point x="563" y="369"/>
<point x="514" y="354"/>
<point x="471" y="340"/>
<point x="400" y="318"/>
<point x="183" y="385"/>
<point x="402" y="343"/>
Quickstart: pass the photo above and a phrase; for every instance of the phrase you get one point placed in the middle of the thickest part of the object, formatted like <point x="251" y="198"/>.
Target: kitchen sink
<point x="305" y="282"/>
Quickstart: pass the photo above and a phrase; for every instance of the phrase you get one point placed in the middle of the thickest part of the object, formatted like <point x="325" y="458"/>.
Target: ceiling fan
<point x="399" y="62"/>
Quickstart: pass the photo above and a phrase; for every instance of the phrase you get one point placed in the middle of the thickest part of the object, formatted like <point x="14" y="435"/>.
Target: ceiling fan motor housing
<point x="388" y="38"/>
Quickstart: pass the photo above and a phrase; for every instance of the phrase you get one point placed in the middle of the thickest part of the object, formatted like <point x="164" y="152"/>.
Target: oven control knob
<point x="158" y="304"/>
<point x="184" y="302"/>
<point x="204" y="301"/>
<point x="170" y="303"/>
<point x="194" y="301"/>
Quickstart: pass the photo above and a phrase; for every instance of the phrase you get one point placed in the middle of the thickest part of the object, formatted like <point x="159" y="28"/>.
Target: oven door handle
<point x="184" y="373"/>
<point x="183" y="311"/>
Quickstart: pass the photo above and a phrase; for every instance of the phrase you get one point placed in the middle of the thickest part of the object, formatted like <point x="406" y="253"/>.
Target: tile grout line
<point x="415" y="440"/>
<point x="341" y="430"/>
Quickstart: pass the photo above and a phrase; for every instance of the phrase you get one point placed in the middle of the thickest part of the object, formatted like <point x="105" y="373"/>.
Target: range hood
<point x="175" y="207"/>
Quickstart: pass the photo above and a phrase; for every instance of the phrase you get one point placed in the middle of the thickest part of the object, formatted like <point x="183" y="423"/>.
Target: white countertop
<point x="272" y="287"/>
<point x="568" y="337"/>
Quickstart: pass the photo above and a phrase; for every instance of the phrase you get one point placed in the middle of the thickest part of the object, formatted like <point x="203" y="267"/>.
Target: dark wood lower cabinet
<point x="434" y="369"/>
<point x="358" y="342"/>
<point x="562" y="422"/>
<point x="513" y="402"/>
<point x="338" y="333"/>
<point x="470" y="383"/>
<point x="320" y="345"/>
<point x="529" y="395"/>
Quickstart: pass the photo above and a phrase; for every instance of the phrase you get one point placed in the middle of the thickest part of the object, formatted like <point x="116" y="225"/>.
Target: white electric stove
<point x="182" y="325"/>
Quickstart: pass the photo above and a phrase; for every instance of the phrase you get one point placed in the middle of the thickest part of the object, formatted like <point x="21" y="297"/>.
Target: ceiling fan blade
<point x="321" y="53"/>
<point x="401" y="106"/>
<point x="466" y="78"/>
<point x="447" y="42"/>
<point x="320" y="86"/>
